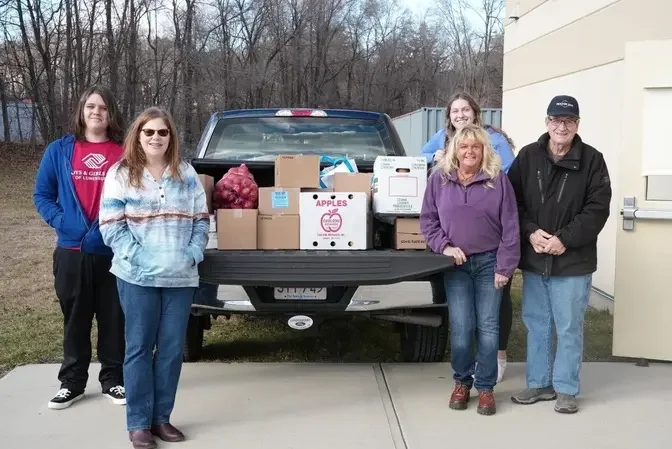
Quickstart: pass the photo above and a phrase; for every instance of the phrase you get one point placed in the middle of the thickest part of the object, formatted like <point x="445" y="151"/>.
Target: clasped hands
<point x="543" y="242"/>
<point x="458" y="255"/>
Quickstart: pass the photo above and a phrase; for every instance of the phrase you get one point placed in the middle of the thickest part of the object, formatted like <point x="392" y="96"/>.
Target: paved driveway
<point x="341" y="406"/>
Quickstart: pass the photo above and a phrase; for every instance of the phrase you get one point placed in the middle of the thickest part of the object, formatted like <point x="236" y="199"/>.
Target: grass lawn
<point x="31" y="323"/>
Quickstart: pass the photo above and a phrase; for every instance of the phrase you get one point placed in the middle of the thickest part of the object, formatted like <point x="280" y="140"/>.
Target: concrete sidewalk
<point x="367" y="406"/>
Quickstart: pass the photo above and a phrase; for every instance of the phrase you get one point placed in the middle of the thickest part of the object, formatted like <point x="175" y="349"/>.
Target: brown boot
<point x="486" y="403"/>
<point x="167" y="432"/>
<point x="142" y="439"/>
<point x="460" y="396"/>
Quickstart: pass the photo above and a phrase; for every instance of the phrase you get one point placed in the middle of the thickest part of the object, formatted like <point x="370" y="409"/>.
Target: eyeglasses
<point x="567" y="121"/>
<point x="161" y="132"/>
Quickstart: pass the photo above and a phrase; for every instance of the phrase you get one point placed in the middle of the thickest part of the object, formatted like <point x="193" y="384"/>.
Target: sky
<point x="419" y="7"/>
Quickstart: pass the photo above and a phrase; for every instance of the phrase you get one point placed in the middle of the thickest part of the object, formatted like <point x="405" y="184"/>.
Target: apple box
<point x="399" y="184"/>
<point x="334" y="220"/>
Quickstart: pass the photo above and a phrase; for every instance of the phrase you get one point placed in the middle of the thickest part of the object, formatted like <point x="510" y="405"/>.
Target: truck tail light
<point x="300" y="113"/>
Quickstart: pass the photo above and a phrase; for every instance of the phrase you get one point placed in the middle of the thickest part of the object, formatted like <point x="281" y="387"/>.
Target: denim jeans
<point x="559" y="300"/>
<point x="473" y="306"/>
<point x="154" y="317"/>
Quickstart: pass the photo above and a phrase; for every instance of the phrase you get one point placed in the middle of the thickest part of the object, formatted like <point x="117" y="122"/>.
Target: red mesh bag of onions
<point x="236" y="190"/>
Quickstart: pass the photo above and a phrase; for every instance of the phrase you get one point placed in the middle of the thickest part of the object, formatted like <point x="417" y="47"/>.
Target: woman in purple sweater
<point x="470" y="214"/>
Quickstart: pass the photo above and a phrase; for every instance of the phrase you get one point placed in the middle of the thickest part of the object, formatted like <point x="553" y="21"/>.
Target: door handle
<point x="630" y="212"/>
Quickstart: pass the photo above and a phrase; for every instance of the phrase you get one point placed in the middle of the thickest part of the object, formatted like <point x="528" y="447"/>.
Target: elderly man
<point x="563" y="191"/>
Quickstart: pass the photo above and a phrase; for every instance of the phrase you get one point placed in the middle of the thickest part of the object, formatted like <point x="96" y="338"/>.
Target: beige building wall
<point x="577" y="47"/>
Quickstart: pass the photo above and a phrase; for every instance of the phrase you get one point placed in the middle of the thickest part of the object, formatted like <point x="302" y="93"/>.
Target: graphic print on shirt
<point x="95" y="161"/>
<point x="90" y="163"/>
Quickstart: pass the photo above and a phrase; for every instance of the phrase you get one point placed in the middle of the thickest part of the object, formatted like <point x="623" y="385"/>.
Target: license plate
<point x="301" y="294"/>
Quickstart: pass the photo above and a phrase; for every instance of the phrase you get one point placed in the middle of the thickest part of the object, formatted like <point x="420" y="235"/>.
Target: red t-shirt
<point x="90" y="162"/>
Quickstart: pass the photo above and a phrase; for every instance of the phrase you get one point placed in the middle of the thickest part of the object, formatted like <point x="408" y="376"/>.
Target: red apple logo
<point x="331" y="221"/>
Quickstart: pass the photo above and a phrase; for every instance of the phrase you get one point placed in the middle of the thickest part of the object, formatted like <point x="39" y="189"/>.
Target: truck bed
<point x="314" y="268"/>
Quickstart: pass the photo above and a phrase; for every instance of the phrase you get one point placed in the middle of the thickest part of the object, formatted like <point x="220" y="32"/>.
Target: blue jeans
<point x="559" y="300"/>
<point x="473" y="303"/>
<point x="154" y="317"/>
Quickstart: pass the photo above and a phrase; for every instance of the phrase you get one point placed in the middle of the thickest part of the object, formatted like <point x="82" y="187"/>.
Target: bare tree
<point x="195" y="58"/>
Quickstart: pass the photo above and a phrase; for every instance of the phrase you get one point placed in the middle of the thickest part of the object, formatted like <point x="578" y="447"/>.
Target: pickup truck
<point x="326" y="281"/>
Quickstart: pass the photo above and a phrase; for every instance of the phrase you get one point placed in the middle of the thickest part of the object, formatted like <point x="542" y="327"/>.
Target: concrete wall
<point x="576" y="47"/>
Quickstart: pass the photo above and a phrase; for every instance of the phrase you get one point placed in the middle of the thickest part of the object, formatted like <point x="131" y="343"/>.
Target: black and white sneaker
<point x="64" y="399"/>
<point x="116" y="394"/>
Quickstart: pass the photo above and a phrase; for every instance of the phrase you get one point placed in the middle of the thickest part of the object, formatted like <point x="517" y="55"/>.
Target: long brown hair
<point x="134" y="156"/>
<point x="450" y="128"/>
<point x="116" y="123"/>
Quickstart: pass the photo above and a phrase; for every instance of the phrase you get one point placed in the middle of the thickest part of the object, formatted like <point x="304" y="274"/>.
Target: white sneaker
<point x="116" y="394"/>
<point x="64" y="399"/>
<point x="501" y="367"/>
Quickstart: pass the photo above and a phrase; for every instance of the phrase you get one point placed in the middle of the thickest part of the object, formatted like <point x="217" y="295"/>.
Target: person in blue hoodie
<point x="67" y="193"/>
<point x="462" y="110"/>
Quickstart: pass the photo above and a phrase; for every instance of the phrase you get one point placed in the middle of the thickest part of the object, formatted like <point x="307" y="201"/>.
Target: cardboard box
<point x="319" y="189"/>
<point x="278" y="232"/>
<point x="407" y="234"/>
<point x="279" y="200"/>
<point x="237" y="228"/>
<point x="399" y="184"/>
<point x="353" y="182"/>
<point x="296" y="170"/>
<point x="337" y="220"/>
<point x="208" y="183"/>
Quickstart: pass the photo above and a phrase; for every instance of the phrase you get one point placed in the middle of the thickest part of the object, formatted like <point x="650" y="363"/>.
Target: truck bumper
<point x="319" y="268"/>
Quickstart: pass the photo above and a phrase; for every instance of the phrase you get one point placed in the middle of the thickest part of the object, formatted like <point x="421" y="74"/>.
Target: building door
<point x="643" y="284"/>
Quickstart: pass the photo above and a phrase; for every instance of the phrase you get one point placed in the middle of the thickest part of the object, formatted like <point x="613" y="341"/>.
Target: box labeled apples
<point x="334" y="220"/>
<point x="399" y="184"/>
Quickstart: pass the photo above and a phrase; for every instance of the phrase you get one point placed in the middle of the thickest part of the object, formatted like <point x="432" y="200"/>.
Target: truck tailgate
<point x="319" y="268"/>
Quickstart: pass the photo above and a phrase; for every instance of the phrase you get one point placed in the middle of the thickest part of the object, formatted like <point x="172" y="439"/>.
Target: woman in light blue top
<point x="463" y="110"/>
<point x="154" y="217"/>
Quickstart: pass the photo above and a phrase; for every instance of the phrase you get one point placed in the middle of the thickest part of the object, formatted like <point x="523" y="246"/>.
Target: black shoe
<point x="116" y="394"/>
<point x="64" y="399"/>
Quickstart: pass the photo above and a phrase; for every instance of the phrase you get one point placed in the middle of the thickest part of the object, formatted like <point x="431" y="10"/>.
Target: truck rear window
<point x="265" y="138"/>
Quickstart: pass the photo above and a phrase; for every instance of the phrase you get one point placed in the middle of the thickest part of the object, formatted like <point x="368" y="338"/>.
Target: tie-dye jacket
<point x="158" y="232"/>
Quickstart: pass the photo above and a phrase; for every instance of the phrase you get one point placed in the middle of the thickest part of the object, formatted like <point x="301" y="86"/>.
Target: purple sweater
<point x="473" y="218"/>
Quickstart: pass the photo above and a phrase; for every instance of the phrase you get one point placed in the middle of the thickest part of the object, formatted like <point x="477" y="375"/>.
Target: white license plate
<point x="302" y="294"/>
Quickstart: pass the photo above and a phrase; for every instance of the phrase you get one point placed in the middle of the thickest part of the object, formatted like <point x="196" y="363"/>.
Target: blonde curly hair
<point x="491" y="164"/>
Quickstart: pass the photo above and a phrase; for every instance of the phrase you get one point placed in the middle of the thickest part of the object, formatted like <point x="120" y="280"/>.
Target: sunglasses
<point x="161" y="132"/>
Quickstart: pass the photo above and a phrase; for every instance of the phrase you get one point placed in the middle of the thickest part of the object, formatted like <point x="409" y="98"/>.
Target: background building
<point x="615" y="57"/>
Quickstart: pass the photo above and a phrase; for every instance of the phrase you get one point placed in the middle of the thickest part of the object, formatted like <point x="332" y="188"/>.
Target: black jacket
<point x="568" y="198"/>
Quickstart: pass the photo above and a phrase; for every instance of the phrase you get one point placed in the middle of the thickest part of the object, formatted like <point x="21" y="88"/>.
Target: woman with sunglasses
<point x="155" y="218"/>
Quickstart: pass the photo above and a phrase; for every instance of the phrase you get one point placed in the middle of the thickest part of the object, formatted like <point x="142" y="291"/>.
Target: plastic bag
<point x="338" y="165"/>
<point x="236" y="190"/>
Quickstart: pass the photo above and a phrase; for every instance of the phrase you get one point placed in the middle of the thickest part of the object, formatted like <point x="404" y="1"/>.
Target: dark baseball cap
<point x="563" y="105"/>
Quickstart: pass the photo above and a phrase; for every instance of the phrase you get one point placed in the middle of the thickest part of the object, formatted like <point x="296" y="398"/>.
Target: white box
<point x="334" y="220"/>
<point x="399" y="184"/>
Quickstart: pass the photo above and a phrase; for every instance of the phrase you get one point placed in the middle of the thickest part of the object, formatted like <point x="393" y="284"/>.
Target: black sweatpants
<point x="85" y="287"/>
<point x="505" y="307"/>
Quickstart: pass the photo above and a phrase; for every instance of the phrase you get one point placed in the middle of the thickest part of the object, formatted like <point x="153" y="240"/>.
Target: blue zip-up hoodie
<point x="497" y="140"/>
<point x="57" y="203"/>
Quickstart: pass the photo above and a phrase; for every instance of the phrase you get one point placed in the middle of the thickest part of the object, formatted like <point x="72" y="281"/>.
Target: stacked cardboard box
<point x="399" y="185"/>
<point x="278" y="223"/>
<point x="297" y="214"/>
